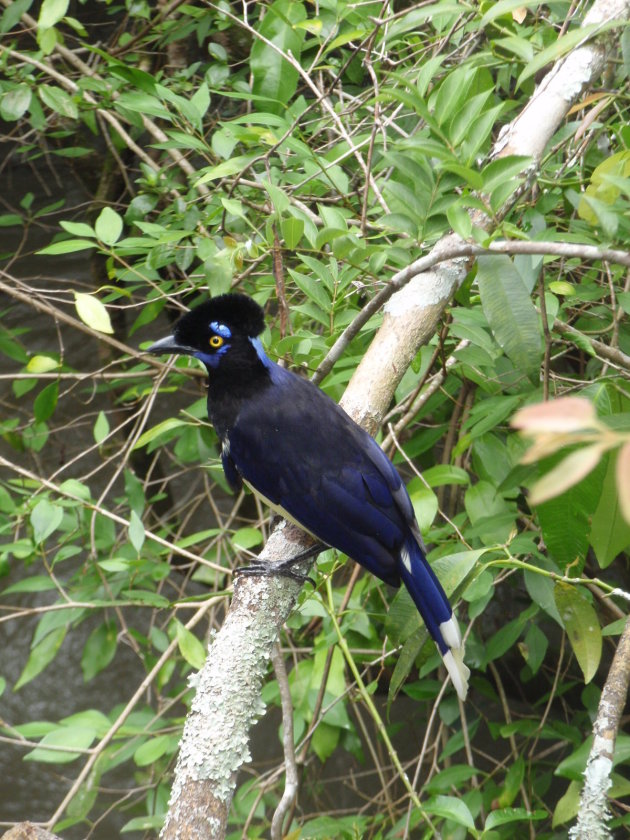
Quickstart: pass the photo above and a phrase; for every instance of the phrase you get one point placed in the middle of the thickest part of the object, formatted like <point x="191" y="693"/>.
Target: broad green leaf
<point x="502" y="816"/>
<point x="193" y="651"/>
<point x="12" y="13"/>
<point x="35" y="583"/>
<point x="92" y="312"/>
<point x="582" y="626"/>
<point x="225" y="169"/>
<point x="278" y="197"/>
<point x="246" y="538"/>
<point x="51" y="12"/>
<point x="568" y="805"/>
<point x="46" y="402"/>
<point x="15" y="102"/>
<point x="78" y="228"/>
<point x="144" y="824"/>
<point x="442" y="474"/>
<point x="99" y="649"/>
<point x="41" y="655"/>
<point x="451" y="808"/>
<point x="75" y="739"/>
<point x="45" y="518"/>
<point x="610" y="532"/>
<point x="59" y="101"/>
<point x="425" y="503"/>
<point x="510" y="312"/>
<point x="108" y="226"/>
<point x="274" y="77"/>
<point x="153" y="749"/>
<point x="292" y="230"/>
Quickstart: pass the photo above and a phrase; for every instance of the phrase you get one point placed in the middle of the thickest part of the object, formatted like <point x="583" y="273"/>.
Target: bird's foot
<point x="263" y="568"/>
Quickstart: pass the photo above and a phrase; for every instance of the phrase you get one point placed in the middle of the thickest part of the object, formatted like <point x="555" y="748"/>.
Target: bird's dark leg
<point x="264" y="568"/>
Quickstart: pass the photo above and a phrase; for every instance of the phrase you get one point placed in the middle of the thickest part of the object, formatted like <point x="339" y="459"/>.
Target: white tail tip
<point x="458" y="671"/>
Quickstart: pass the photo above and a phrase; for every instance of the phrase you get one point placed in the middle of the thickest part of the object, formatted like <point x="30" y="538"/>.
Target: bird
<point x="309" y="461"/>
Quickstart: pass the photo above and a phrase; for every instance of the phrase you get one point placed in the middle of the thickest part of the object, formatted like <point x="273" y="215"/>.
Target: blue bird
<point x="309" y="461"/>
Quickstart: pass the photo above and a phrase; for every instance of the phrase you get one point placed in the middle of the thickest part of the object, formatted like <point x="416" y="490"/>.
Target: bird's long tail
<point x="434" y="607"/>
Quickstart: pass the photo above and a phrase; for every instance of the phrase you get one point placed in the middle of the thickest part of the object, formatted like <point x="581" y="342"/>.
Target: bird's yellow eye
<point x="216" y="341"/>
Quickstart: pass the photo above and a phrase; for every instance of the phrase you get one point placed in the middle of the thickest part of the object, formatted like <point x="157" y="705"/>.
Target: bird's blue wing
<point x="303" y="454"/>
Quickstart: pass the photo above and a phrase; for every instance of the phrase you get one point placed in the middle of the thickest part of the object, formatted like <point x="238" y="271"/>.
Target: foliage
<point x="304" y="154"/>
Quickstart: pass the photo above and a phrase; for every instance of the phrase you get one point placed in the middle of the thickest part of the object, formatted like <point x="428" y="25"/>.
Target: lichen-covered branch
<point x="593" y="816"/>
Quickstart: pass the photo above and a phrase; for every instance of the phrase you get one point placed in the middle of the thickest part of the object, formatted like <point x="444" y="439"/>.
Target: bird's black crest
<point x="237" y="311"/>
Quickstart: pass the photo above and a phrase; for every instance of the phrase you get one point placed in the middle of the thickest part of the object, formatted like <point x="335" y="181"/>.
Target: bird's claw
<point x="274" y="570"/>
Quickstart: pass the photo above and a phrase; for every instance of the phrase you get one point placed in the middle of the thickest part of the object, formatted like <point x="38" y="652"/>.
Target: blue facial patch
<point x="220" y="329"/>
<point x="212" y="360"/>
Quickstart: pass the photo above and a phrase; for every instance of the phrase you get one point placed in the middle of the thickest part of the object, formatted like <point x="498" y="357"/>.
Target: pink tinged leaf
<point x="623" y="480"/>
<point x="567" y="414"/>
<point x="544" y="445"/>
<point x="568" y="472"/>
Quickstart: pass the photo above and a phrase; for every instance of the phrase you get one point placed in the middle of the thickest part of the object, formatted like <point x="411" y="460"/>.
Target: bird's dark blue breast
<point x="303" y="453"/>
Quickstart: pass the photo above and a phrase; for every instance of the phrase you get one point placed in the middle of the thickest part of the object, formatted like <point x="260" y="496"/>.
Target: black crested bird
<point x="304" y="456"/>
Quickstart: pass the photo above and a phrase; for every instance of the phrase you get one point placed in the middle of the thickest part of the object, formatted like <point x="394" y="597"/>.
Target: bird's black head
<point x="222" y="333"/>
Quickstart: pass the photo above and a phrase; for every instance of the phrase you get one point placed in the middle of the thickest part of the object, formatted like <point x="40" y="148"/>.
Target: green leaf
<point x="46" y="402"/>
<point x="41" y="655"/>
<point x="45" y="518"/>
<point x="193" y="651"/>
<point x="160" y="429"/>
<point x="292" y="230"/>
<point x="502" y="816"/>
<point x="451" y="808"/>
<point x="41" y="364"/>
<point x="78" y="228"/>
<point x="13" y="13"/>
<point x="568" y="805"/>
<point x="582" y="626"/>
<point x="246" y="538"/>
<point x="225" y="169"/>
<point x="99" y="649"/>
<point x="610" y="532"/>
<point x="101" y="427"/>
<point x="15" y="102"/>
<point x="52" y="12"/>
<point x="35" y="583"/>
<point x="59" y="101"/>
<point x="153" y="749"/>
<point x="136" y="531"/>
<point x="275" y="78"/>
<point x="92" y="312"/>
<point x="108" y="226"/>
<point x="510" y="312"/>
<point x="75" y="740"/>
<point x="66" y="246"/>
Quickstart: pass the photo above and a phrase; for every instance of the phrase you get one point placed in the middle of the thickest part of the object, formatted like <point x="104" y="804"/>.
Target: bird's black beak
<point x="170" y="346"/>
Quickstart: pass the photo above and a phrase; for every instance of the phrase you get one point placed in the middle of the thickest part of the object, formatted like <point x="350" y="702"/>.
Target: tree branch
<point x="594" y="814"/>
